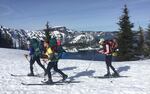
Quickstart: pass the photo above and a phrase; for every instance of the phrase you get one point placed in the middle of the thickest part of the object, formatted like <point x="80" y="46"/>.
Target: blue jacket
<point x="31" y="50"/>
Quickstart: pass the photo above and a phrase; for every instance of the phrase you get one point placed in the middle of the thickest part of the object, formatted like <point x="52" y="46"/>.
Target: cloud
<point x="5" y="10"/>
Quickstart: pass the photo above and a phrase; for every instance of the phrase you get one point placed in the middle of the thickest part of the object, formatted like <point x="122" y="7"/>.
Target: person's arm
<point x="107" y="49"/>
<point x="101" y="51"/>
<point x="30" y="51"/>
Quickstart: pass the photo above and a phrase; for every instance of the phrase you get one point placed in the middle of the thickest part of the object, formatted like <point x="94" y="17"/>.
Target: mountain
<point x="88" y="39"/>
<point x="20" y="37"/>
<point x="83" y="38"/>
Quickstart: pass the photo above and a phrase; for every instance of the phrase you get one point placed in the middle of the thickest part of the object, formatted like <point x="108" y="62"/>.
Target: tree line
<point x="132" y="44"/>
<point x="5" y="39"/>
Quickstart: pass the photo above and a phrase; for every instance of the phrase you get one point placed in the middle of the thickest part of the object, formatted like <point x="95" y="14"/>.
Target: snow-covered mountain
<point x="20" y="37"/>
<point x="80" y="72"/>
<point x="83" y="38"/>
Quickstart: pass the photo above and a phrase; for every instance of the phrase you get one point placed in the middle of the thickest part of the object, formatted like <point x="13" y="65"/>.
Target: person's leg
<point x="59" y="71"/>
<point x="32" y="60"/>
<point x="107" y="65"/>
<point x="112" y="68"/>
<point x="115" y="72"/>
<point x="110" y="65"/>
<point x="49" y="67"/>
<point x="40" y="64"/>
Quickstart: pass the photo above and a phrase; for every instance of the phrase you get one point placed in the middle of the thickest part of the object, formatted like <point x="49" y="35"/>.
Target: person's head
<point x="110" y="41"/>
<point x="46" y="43"/>
<point x="114" y="40"/>
<point x="101" y="41"/>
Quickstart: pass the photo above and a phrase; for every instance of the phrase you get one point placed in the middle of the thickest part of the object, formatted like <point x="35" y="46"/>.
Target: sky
<point x="95" y="15"/>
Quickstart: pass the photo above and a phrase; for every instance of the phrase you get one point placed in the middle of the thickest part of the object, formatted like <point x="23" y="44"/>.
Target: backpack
<point x="112" y="45"/>
<point x="56" y="45"/>
<point x="35" y="44"/>
<point x="53" y="43"/>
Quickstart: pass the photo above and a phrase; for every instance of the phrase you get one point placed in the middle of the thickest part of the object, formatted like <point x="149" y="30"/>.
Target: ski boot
<point x="107" y="75"/>
<point x="115" y="74"/>
<point x="30" y="74"/>
<point x="65" y="77"/>
<point x="48" y="82"/>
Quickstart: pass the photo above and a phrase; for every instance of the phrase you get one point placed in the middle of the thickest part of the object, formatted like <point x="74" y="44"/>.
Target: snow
<point x="13" y="61"/>
<point x="83" y="38"/>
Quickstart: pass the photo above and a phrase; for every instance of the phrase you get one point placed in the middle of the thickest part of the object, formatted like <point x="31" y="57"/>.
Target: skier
<point x="35" y="55"/>
<point x="53" y="63"/>
<point x="107" y="50"/>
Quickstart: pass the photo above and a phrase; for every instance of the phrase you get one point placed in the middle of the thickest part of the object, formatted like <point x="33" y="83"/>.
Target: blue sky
<point x="75" y="14"/>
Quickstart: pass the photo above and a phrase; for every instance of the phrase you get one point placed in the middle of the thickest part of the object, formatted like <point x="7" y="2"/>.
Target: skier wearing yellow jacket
<point x="53" y="63"/>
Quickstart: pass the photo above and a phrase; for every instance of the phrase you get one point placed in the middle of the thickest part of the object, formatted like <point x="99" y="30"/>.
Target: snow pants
<point x="108" y="61"/>
<point x="53" y="65"/>
<point x="37" y="59"/>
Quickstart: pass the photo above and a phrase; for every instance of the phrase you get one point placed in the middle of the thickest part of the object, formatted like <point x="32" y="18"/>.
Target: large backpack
<point x="112" y="46"/>
<point x="35" y="44"/>
<point x="53" y="43"/>
<point x="56" y="45"/>
<point x="106" y="42"/>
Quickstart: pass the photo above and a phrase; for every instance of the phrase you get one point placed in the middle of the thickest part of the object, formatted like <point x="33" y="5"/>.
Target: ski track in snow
<point x="13" y="61"/>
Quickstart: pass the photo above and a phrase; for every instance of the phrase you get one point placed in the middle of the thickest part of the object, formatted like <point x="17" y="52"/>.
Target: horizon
<point x="85" y="15"/>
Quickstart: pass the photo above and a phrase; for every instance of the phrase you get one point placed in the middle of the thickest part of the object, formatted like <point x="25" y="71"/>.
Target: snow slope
<point x="13" y="61"/>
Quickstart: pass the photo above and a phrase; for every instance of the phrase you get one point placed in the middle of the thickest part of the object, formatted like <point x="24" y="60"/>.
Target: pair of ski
<point x="53" y="83"/>
<point x="20" y="75"/>
<point x="107" y="77"/>
<point x="42" y="82"/>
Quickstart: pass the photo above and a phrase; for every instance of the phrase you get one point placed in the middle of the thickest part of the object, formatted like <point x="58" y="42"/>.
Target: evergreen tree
<point x="125" y="36"/>
<point x="148" y="33"/>
<point x="141" y="41"/>
<point x="147" y="49"/>
<point x="8" y="41"/>
<point x="2" y="41"/>
<point x="0" y="37"/>
<point x="5" y="38"/>
<point x="47" y="31"/>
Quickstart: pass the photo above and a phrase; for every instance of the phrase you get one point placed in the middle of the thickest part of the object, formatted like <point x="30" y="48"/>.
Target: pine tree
<point x="125" y="36"/>
<point x="8" y="41"/>
<point x="47" y="31"/>
<point x="141" y="41"/>
<point x="0" y="38"/>
<point x="148" y="32"/>
<point x="148" y="41"/>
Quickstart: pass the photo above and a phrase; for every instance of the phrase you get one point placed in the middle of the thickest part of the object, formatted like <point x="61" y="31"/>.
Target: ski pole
<point x="26" y="56"/>
<point x="91" y="62"/>
<point x="88" y="66"/>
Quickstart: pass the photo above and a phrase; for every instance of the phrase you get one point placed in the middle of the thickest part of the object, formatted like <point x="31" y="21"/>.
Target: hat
<point x="101" y="41"/>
